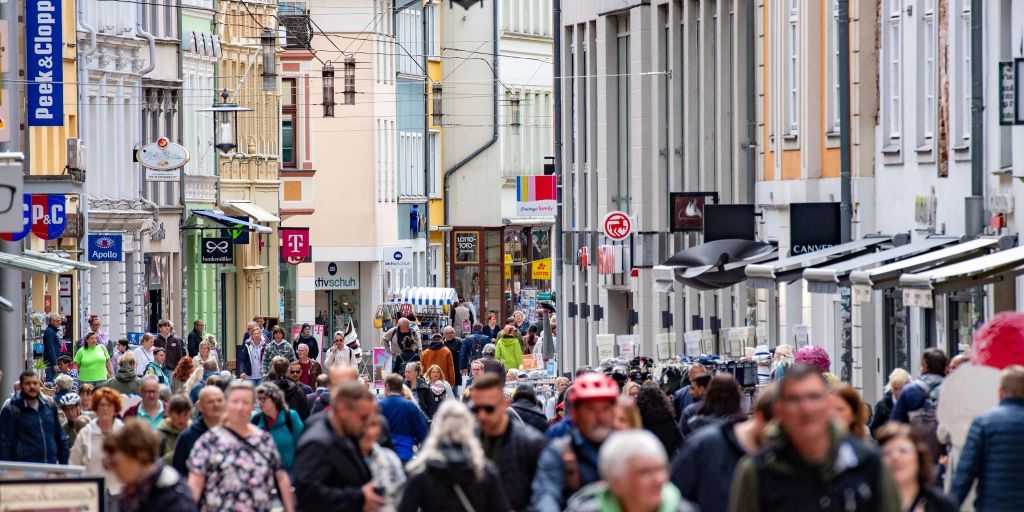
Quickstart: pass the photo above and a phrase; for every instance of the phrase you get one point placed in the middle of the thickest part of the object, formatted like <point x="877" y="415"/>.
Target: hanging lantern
<point x="328" y="79"/>
<point x="225" y="121"/>
<point x="517" y="121"/>
<point x="268" y="43"/>
<point x="436" y="114"/>
<point x="350" y="80"/>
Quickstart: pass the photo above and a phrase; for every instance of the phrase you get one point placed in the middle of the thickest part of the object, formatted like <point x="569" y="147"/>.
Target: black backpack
<point x="924" y="421"/>
<point x="476" y="347"/>
<point x="402" y="363"/>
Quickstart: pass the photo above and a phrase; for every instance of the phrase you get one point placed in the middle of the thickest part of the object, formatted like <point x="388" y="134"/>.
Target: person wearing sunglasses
<point x="508" y="442"/>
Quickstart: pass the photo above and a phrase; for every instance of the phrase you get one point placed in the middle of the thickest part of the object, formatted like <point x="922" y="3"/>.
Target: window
<point x="832" y="56"/>
<point x="410" y="146"/>
<point x="961" y="100"/>
<point x="926" y="47"/>
<point x="289" y="123"/>
<point x="434" y="142"/>
<point x="621" y="199"/>
<point x="792" y="71"/>
<point x="892" y="73"/>
<point x="409" y="32"/>
<point x="432" y="11"/>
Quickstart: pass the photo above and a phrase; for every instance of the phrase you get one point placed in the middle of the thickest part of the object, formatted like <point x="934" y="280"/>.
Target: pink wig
<point x="814" y="356"/>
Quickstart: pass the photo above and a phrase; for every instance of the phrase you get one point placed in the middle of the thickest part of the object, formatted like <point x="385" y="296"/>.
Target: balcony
<point x="294" y="17"/>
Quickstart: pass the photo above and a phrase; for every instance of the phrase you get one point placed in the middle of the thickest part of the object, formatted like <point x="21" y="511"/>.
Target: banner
<point x="44" y="63"/>
<point x="48" y="215"/>
<point x="536" y="196"/>
<point x="105" y="247"/>
<point x="26" y="221"/>
<point x="294" y="244"/>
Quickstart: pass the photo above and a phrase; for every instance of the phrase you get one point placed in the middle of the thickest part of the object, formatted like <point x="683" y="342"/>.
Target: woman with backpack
<point x="409" y="354"/>
<point x="283" y="424"/>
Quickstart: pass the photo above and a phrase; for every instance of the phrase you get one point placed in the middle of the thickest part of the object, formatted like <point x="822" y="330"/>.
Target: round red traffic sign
<point x="617" y="225"/>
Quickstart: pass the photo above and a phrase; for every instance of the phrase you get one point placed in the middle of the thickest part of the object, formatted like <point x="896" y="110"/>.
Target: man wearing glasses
<point x="510" y="444"/>
<point x="809" y="463"/>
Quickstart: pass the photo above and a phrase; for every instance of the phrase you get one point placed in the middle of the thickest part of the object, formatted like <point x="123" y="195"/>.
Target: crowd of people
<point x="453" y="430"/>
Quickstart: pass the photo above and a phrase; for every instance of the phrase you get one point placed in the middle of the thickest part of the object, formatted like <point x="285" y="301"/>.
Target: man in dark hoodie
<point x="293" y="394"/>
<point x="306" y="336"/>
<point x="527" y="408"/>
<point x="211" y="409"/>
<point x="195" y="337"/>
<point x="125" y="381"/>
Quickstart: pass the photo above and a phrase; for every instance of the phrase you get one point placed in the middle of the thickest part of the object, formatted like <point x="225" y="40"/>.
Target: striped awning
<point x="420" y="296"/>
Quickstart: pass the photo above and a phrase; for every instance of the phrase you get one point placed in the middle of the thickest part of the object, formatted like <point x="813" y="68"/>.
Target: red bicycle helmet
<point x="593" y="386"/>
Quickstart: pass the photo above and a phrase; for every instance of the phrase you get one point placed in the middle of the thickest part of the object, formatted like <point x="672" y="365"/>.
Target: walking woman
<point x="283" y="424"/>
<point x="236" y="466"/>
<point x="909" y="459"/>
<point x="93" y="360"/>
<point x="132" y="456"/>
<point x="450" y="472"/>
<point x="88" y="448"/>
<point x="181" y="374"/>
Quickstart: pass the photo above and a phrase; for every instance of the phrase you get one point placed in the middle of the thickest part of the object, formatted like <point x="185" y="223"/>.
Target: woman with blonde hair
<point x="631" y="390"/>
<point x="883" y="409"/>
<point x="207" y="351"/>
<point x="627" y="415"/>
<point x="450" y="471"/>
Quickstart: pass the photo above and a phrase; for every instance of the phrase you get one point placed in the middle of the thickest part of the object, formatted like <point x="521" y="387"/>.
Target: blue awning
<point x="231" y="222"/>
<point x="420" y="296"/>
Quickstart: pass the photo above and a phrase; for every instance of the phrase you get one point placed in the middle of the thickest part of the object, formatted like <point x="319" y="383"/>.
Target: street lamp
<point x="436" y="113"/>
<point x="517" y="120"/>
<point x="328" y="79"/>
<point x="268" y="42"/>
<point x="225" y="119"/>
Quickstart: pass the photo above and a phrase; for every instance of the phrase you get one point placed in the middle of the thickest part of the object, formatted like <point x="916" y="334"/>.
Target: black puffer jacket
<point x="434" y="488"/>
<point x="329" y="470"/>
<point x="531" y="414"/>
<point x="294" y="397"/>
<point x="520" y="451"/>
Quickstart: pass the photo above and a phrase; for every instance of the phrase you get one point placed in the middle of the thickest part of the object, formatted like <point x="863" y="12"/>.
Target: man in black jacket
<point x="172" y="344"/>
<point x="211" y="410"/>
<point x="511" y="445"/>
<point x="330" y="472"/>
<point x="195" y="337"/>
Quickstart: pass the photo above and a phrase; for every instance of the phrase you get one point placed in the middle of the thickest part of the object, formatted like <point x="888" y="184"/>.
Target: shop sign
<point x="44" y="62"/>
<point x="536" y="196"/>
<point x="336" y="275"/>
<point x="729" y="221"/>
<point x="664" y="345"/>
<point x="687" y="210"/>
<point x="26" y="219"/>
<point x="105" y="247"/>
<point x="583" y="257"/>
<point x="540" y="270"/>
<point x="217" y="250"/>
<point x="161" y="155"/>
<point x="917" y="297"/>
<point x="48" y="219"/>
<point x="691" y="340"/>
<point x="605" y="346"/>
<point x="397" y="258"/>
<point x="295" y="247"/>
<point x="617" y="225"/>
<point x="1011" y="92"/>
<point x="239" y="235"/>
<point x="64" y="294"/>
<point x="467" y="247"/>
<point x="813" y="227"/>
<point x="80" y="494"/>
<point x="508" y="266"/>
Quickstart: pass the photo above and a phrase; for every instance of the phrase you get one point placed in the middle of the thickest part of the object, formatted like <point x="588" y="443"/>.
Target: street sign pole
<point x="12" y="331"/>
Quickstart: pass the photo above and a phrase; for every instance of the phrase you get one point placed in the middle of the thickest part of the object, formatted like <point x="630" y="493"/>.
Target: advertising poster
<point x="52" y="495"/>
<point x="381" y="366"/>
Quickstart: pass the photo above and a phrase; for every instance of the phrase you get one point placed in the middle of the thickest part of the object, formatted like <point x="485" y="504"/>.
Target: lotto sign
<point x="617" y="225"/>
<point x="47" y="212"/>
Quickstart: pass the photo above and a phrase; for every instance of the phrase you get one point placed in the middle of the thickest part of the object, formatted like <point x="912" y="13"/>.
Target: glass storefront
<point x="336" y="310"/>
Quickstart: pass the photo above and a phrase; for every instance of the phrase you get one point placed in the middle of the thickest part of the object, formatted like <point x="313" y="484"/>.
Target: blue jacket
<point x="51" y="346"/>
<point x="466" y="353"/>
<point x="559" y="429"/>
<point x="913" y="397"/>
<point x="244" y="365"/>
<point x="32" y="435"/>
<point x="183" y="446"/>
<point x="703" y="469"/>
<point x="408" y="425"/>
<point x="681" y="399"/>
<point x="992" y="456"/>
<point x="285" y="433"/>
<point x="549" y="493"/>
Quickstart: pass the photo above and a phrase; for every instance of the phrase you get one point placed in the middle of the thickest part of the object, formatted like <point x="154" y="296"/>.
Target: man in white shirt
<point x="254" y="351"/>
<point x="144" y="353"/>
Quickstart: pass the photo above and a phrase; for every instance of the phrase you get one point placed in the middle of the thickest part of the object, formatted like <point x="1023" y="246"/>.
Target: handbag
<point x="462" y="498"/>
<point x="251" y="448"/>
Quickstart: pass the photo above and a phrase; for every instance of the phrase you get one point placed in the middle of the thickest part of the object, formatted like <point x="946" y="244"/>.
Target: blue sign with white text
<point x="105" y="247"/>
<point x="44" y="63"/>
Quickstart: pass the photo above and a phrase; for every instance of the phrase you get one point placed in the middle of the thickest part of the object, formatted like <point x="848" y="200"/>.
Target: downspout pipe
<point x="152" y="43"/>
<point x="559" y="350"/>
<point x="974" y="205"/>
<point x="494" y="122"/>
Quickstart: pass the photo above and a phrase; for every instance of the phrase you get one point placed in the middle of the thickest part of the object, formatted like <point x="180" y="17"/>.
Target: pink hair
<point x="814" y="356"/>
<point x="1000" y="342"/>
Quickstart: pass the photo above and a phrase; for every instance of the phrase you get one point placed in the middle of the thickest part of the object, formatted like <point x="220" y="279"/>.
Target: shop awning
<point x="421" y="296"/>
<point x="887" y="276"/>
<point x="968" y="273"/>
<point x="252" y="210"/>
<point x="828" y="278"/>
<point x="230" y="222"/>
<point x="712" y="265"/>
<point x="767" y="275"/>
<point x="31" y="261"/>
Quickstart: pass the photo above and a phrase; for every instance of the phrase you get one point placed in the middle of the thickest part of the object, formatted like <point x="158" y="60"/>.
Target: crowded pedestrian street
<point x="511" y="256"/>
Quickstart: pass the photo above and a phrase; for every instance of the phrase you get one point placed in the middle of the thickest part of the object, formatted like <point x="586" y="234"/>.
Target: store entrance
<point x="336" y="310"/>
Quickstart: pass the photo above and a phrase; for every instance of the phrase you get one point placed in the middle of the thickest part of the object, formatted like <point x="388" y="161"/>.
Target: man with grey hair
<point x="634" y="476"/>
<point x="492" y="365"/>
<point x="393" y="338"/>
<point x="151" y="408"/>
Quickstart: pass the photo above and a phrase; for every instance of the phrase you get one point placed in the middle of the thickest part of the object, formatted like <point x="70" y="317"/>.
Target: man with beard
<point x="293" y="394"/>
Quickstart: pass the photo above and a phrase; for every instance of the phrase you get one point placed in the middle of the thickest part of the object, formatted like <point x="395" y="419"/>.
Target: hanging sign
<point x="239" y="235"/>
<point x="918" y="297"/>
<point x="536" y="196"/>
<point x="294" y="244"/>
<point x="687" y="210"/>
<point x="105" y="247"/>
<point x="540" y="270"/>
<point x="26" y="220"/>
<point x="44" y="62"/>
<point x="617" y="225"/>
<point x="48" y="215"/>
<point x="163" y="159"/>
<point x="217" y="250"/>
<point x="397" y="258"/>
<point x="467" y="246"/>
<point x="1007" y="93"/>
